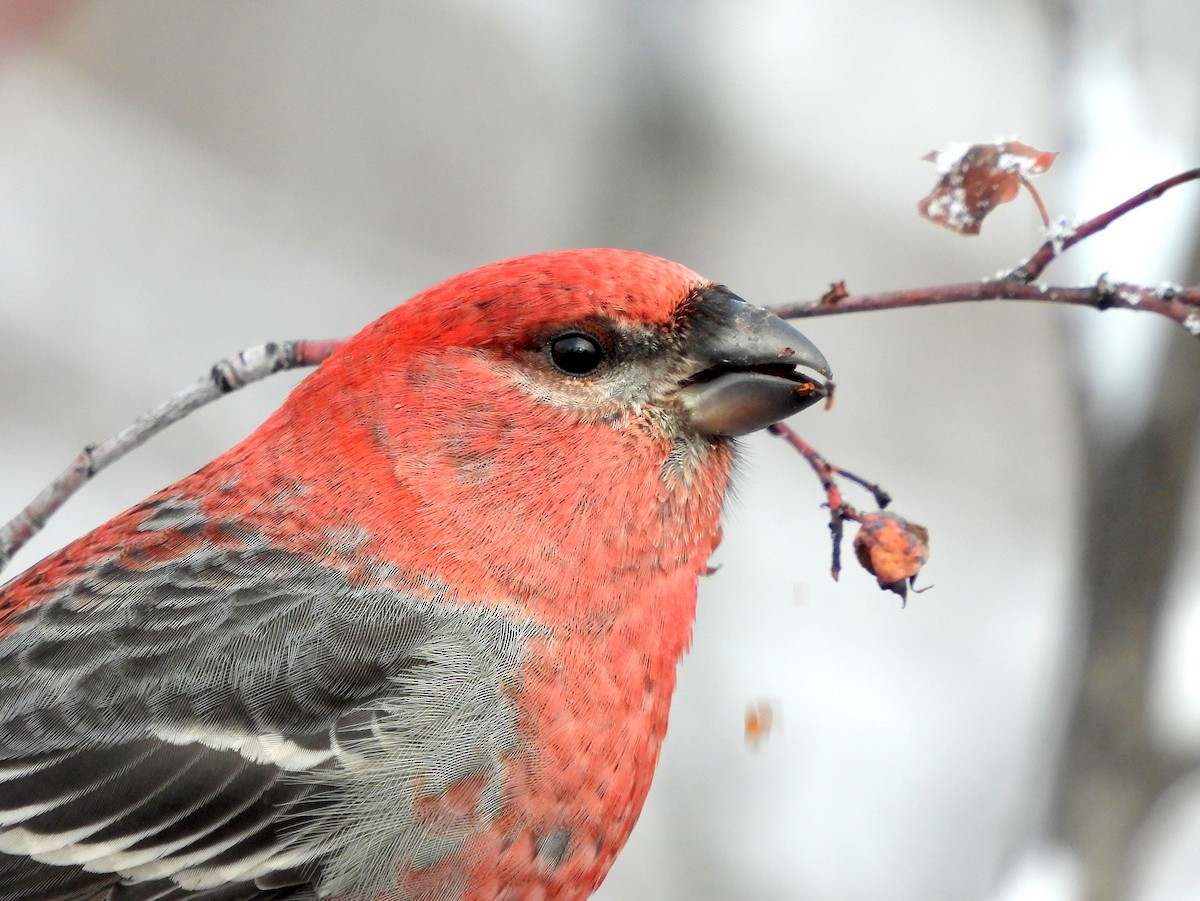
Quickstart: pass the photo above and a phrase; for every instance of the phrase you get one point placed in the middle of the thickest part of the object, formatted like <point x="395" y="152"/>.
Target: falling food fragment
<point x="892" y="549"/>
<point x="760" y="722"/>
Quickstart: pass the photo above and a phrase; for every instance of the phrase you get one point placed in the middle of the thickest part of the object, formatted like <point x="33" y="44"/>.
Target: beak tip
<point x="805" y="353"/>
<point x="760" y="369"/>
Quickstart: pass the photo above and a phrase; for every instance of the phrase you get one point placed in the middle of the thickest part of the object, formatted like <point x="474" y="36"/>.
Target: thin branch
<point x="839" y="509"/>
<point x="1036" y="264"/>
<point x="1177" y="304"/>
<point x="248" y="366"/>
<point x="1180" y="305"/>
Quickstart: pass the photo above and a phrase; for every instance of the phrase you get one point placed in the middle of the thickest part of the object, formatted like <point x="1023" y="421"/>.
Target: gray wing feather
<point x="151" y="719"/>
<point x="263" y="643"/>
<point x="208" y="729"/>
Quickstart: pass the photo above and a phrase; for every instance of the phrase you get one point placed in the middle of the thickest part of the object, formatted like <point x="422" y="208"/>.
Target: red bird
<point x="415" y="638"/>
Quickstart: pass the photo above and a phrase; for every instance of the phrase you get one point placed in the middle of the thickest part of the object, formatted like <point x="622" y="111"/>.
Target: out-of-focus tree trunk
<point x="1112" y="772"/>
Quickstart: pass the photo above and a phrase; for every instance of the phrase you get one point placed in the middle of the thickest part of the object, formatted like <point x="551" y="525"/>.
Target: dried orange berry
<point x="892" y="549"/>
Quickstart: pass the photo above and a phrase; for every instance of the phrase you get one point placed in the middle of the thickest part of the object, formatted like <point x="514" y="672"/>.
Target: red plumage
<point x="433" y="606"/>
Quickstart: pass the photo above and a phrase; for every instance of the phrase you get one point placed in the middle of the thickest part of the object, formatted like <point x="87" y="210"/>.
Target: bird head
<point x="576" y="406"/>
<point x="609" y="336"/>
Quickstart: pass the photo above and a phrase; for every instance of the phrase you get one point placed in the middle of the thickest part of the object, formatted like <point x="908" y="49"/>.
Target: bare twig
<point x="229" y="374"/>
<point x="1181" y="305"/>
<point x="839" y="509"/>
<point x="1036" y="264"/>
<point x="1177" y="304"/>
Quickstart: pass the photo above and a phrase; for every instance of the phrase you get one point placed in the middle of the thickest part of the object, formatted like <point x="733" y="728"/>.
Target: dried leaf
<point x="976" y="180"/>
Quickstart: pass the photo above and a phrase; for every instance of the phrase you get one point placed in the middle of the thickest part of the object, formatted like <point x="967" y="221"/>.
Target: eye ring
<point x="576" y="353"/>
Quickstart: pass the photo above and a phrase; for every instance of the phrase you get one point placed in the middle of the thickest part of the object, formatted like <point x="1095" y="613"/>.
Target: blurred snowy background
<point x="181" y="180"/>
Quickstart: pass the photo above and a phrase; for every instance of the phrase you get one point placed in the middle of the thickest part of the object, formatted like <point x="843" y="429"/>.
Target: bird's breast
<point x="593" y="704"/>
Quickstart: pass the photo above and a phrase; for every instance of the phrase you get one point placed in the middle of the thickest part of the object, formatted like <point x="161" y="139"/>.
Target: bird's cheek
<point x="444" y="416"/>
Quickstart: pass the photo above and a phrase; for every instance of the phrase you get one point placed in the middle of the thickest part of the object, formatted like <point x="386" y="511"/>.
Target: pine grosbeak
<point x="416" y="637"/>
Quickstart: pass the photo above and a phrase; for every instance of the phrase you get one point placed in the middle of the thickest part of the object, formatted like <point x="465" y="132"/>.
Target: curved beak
<point x="752" y="368"/>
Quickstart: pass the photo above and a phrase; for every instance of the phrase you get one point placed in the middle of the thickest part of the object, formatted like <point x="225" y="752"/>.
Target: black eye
<point x="576" y="353"/>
